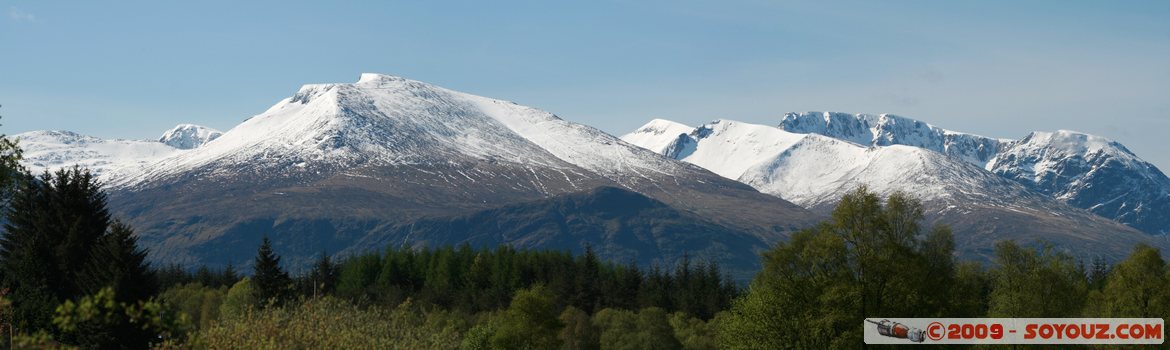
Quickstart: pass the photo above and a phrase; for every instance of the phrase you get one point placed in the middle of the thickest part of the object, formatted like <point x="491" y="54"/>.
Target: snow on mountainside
<point x="52" y="150"/>
<point x="188" y="136"/>
<point x="650" y="136"/>
<point x="387" y="120"/>
<point x="1086" y="171"/>
<point x="888" y="129"/>
<point x="1090" y="172"/>
<point x="814" y="171"/>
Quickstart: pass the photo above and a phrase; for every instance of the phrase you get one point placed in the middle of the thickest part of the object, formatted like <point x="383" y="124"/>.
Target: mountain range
<point x="1082" y="170"/>
<point x="345" y="168"/>
<point x="814" y="171"/>
<point x="388" y="161"/>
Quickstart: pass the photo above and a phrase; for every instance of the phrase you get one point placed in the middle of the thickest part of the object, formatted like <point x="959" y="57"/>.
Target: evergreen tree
<point x="229" y="276"/>
<point x="118" y="262"/>
<point x="203" y="276"/>
<point x="270" y="282"/>
<point x="58" y="245"/>
<point x="323" y="276"/>
<point x="588" y="293"/>
<point x="10" y="169"/>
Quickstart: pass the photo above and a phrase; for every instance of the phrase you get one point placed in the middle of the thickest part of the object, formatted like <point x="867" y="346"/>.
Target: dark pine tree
<point x="204" y="276"/>
<point x="588" y="292"/>
<point x="10" y="169"/>
<point x="229" y="277"/>
<point x="55" y="222"/>
<point x="323" y="277"/>
<point x="271" y="282"/>
<point x="116" y="261"/>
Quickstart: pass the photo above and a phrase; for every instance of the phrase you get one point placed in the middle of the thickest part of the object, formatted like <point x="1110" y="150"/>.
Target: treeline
<point x="482" y="280"/>
<point x="476" y="280"/>
<point x="451" y="298"/>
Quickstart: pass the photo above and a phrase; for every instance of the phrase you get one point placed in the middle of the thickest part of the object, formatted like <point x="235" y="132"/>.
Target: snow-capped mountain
<point x="388" y="160"/>
<point x="815" y="171"/>
<point x="1090" y="172"/>
<point x="1085" y="171"/>
<point x="52" y="150"/>
<point x="188" y="136"/>
<point x="888" y="129"/>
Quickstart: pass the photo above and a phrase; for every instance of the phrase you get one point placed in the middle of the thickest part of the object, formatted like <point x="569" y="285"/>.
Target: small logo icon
<point x="897" y="330"/>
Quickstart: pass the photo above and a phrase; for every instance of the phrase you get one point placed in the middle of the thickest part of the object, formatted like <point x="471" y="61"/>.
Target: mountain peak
<point x="188" y="136"/>
<point x="1075" y="142"/>
<point x="658" y="134"/>
<point x="367" y="78"/>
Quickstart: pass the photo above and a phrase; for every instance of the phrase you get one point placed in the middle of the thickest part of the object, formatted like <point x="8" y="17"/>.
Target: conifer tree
<point x="324" y="275"/>
<point x="588" y="293"/>
<point x="57" y="234"/>
<point x="229" y="276"/>
<point x="270" y="281"/>
<point x="118" y="262"/>
<point x="10" y="169"/>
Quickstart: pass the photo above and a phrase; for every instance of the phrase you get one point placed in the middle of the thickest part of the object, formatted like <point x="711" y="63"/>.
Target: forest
<point x="73" y="276"/>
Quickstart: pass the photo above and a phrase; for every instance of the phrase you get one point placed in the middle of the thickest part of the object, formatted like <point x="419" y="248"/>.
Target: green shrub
<point x="331" y="323"/>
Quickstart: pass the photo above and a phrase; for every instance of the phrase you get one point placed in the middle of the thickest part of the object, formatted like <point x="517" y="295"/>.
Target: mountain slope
<point x="815" y="171"/>
<point x="340" y="163"/>
<point x="1085" y="171"/>
<point x="1090" y="172"/>
<point x="51" y="150"/>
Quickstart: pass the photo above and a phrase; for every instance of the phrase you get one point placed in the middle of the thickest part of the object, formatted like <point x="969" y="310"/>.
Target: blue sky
<point x="132" y="69"/>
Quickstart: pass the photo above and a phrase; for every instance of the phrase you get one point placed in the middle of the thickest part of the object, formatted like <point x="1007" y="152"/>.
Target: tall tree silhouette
<point x="58" y="244"/>
<point x="271" y="282"/>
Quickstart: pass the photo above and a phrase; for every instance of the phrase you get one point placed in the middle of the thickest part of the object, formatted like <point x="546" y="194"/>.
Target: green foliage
<point x="101" y="322"/>
<point x="358" y="274"/>
<point x="59" y="245"/>
<point x="692" y="333"/>
<point x="1135" y="288"/>
<point x="330" y="323"/>
<point x="322" y="279"/>
<point x="531" y="322"/>
<point x="804" y="298"/>
<point x="39" y="340"/>
<point x="175" y="275"/>
<point x="200" y="302"/>
<point x="483" y="280"/>
<point x="117" y="261"/>
<point x="240" y="299"/>
<point x="10" y="168"/>
<point x="969" y="293"/>
<point x="270" y="282"/>
<point x="578" y="332"/>
<point x="1035" y="283"/>
<point x="647" y="329"/>
<point x="869" y="259"/>
<point x="479" y="337"/>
